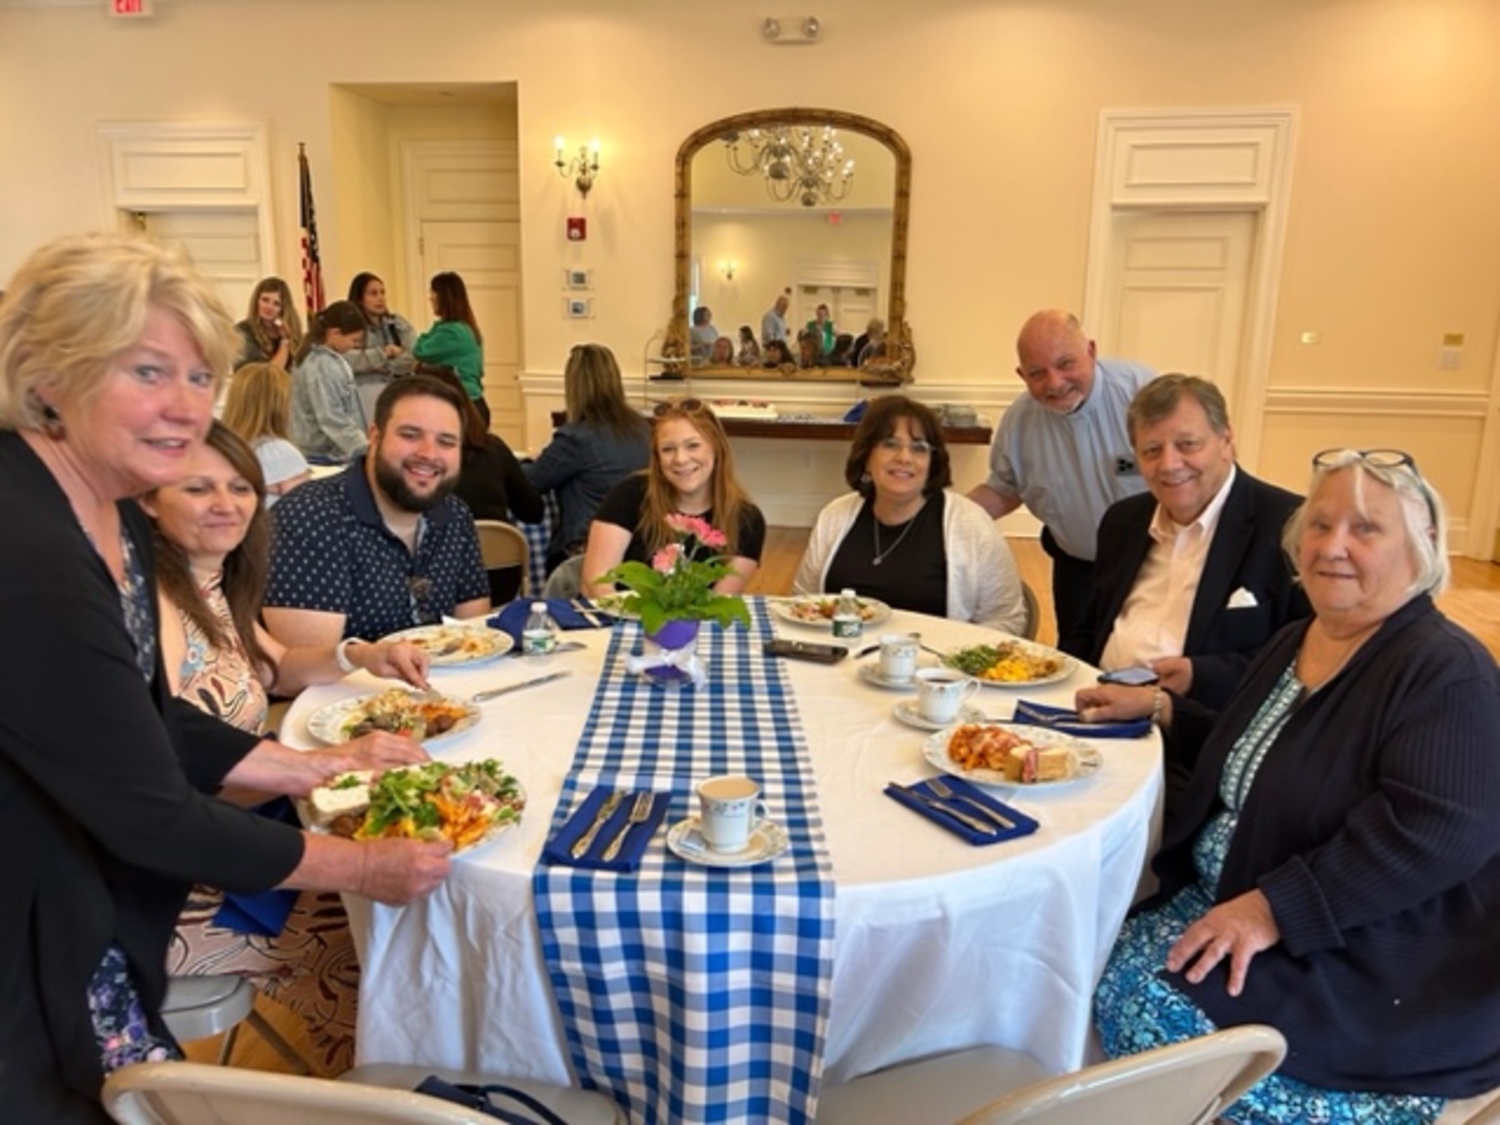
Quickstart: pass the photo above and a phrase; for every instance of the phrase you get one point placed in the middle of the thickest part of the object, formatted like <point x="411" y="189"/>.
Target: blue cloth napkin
<point x="1024" y="825"/>
<point x="558" y="849"/>
<point x="1060" y="718"/>
<point x="857" y="411"/>
<point x="512" y="619"/>
<point x="265" y="913"/>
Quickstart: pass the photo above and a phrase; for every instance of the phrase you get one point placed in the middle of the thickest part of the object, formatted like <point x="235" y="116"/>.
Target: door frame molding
<point x="414" y="153"/>
<point x="1232" y="159"/>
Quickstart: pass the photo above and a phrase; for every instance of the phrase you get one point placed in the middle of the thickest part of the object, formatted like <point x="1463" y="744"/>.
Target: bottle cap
<point x="538" y="607"/>
<point x="846" y="592"/>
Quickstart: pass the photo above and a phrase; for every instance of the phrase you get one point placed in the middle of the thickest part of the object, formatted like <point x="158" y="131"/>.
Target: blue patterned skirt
<point x="120" y="1026"/>
<point x="1135" y="1010"/>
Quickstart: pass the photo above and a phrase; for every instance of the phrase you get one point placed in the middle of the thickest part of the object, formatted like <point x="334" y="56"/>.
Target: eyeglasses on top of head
<point x="678" y="406"/>
<point x="918" y="448"/>
<point x="1385" y="459"/>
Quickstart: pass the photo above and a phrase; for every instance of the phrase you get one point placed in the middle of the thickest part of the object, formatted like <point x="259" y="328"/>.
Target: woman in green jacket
<point x="454" y="340"/>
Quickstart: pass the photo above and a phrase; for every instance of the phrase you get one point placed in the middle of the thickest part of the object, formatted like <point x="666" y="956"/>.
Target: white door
<point x="1177" y="285"/>
<point x="224" y="243"/>
<point x="487" y="255"/>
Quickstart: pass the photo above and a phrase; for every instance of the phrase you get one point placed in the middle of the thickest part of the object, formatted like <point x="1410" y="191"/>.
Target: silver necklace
<point x="881" y="556"/>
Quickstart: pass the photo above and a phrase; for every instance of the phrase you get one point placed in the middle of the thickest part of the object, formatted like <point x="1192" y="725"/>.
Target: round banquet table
<point x="938" y="945"/>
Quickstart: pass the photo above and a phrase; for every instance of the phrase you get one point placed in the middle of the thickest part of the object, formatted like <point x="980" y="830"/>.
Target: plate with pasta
<point x="450" y="646"/>
<point x="1011" y="754"/>
<point x="1012" y="663"/>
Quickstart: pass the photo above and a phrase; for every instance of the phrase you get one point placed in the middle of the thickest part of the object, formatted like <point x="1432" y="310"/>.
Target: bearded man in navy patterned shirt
<point x="384" y="545"/>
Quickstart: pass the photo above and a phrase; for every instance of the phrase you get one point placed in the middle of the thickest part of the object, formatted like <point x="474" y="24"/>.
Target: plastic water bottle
<point x="847" y="622"/>
<point x="539" y="634"/>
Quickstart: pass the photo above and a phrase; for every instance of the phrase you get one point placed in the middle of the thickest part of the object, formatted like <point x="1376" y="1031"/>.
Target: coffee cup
<point x="941" y="692"/>
<point x="898" y="657"/>
<point x="729" y="810"/>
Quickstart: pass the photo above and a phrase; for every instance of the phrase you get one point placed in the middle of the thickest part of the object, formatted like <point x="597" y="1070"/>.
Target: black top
<point x="494" y="487"/>
<point x="622" y="507"/>
<point x="913" y="571"/>
<point x="104" y="821"/>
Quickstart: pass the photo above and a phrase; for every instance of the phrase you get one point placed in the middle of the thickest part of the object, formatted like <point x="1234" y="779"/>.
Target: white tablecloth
<point x="938" y="945"/>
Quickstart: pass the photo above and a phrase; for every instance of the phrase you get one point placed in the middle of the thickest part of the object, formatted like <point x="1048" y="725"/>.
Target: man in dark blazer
<point x="1190" y="578"/>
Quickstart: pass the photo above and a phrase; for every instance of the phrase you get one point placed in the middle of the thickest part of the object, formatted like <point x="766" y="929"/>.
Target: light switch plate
<point x="578" y="308"/>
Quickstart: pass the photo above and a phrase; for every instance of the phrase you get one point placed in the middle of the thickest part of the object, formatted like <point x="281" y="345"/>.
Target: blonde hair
<point x="259" y="402"/>
<point x="79" y="301"/>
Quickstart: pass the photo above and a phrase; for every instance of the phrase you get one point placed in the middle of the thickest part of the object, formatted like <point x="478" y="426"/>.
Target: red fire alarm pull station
<point x="578" y="229"/>
<point x="130" y="8"/>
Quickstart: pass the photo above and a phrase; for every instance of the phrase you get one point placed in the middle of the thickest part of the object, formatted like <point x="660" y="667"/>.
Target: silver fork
<point x="945" y="791"/>
<point x="640" y="812"/>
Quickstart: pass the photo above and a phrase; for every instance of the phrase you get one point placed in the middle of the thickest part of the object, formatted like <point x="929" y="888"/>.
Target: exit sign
<point x="130" y="7"/>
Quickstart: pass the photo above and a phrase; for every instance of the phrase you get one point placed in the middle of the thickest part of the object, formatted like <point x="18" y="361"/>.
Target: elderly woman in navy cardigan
<point x="1335" y="868"/>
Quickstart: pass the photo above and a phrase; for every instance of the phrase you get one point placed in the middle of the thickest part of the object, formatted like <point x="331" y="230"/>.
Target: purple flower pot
<point x="674" y="635"/>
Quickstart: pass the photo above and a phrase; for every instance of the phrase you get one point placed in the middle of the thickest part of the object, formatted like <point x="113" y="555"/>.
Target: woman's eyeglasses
<point x="918" y="448"/>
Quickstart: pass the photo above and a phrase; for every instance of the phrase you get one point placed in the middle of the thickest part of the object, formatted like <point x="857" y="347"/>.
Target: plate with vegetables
<point x="1012" y="664"/>
<point x="426" y="716"/>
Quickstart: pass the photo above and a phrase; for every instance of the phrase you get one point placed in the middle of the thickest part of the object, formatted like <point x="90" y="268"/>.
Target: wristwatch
<point x="341" y="654"/>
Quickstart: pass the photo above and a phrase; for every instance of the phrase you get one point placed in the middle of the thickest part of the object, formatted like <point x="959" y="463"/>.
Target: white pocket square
<point x="1241" y="599"/>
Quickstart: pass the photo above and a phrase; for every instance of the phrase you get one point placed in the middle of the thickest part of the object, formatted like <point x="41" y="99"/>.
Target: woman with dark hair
<point x="602" y="441"/>
<point x="455" y="340"/>
<point x="257" y="408"/>
<point x="328" y="421"/>
<point x="691" y="473"/>
<point x="271" y="331"/>
<point x="902" y="537"/>
<point x="749" y="353"/>
<point x="490" y="480"/>
<point x="389" y="338"/>
<point x="211" y="540"/>
<point x="778" y="354"/>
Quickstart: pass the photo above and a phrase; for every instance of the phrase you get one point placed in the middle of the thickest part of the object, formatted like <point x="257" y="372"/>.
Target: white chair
<point x="196" y="1007"/>
<point x="183" y="1093"/>
<point x="1185" y="1084"/>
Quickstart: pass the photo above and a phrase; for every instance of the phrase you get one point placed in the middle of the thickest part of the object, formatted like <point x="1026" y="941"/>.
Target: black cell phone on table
<point x="1131" y="677"/>
<point x="803" y="650"/>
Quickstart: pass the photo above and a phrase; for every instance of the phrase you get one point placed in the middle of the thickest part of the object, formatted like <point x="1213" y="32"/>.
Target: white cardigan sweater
<point x="984" y="586"/>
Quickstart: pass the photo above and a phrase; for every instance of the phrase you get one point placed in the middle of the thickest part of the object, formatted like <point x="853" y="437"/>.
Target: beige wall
<point x="1393" y="234"/>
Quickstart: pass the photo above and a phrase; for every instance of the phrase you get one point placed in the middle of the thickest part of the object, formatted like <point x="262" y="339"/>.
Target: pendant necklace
<point x="881" y="556"/>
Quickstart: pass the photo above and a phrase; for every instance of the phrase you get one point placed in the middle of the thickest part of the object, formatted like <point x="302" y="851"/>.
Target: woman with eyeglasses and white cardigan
<point x="902" y="537"/>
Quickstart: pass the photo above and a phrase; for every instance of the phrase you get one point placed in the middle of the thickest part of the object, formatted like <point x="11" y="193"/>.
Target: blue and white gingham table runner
<point x="696" y="994"/>
<point x="538" y="539"/>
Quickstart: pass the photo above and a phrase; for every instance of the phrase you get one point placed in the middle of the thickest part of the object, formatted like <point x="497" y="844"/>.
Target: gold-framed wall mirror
<point x="807" y="204"/>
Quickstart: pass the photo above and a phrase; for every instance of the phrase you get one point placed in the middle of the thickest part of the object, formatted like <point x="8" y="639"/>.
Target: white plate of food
<point x="466" y="804"/>
<point x="425" y="716"/>
<point x="816" y="610"/>
<point x="614" y="605"/>
<point x="449" y="646"/>
<point x="1011" y="754"/>
<point x="1012" y="664"/>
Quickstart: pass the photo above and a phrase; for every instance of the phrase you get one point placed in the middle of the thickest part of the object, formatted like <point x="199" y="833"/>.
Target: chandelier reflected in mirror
<point x="798" y="163"/>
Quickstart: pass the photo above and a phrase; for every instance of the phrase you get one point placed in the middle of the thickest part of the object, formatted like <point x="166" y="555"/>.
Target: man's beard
<point x="390" y="481"/>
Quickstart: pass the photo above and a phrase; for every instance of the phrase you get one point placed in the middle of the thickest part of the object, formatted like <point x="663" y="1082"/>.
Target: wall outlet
<point x="578" y="308"/>
<point x="578" y="278"/>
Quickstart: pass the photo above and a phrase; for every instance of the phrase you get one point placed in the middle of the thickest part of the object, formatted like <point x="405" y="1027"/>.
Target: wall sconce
<point x="727" y="269"/>
<point x="790" y="31"/>
<point x="583" y="167"/>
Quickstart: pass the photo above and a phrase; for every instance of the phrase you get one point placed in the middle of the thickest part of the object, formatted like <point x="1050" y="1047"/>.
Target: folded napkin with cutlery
<point x="965" y="806"/>
<point x="512" y="619"/>
<point x="1069" y="722"/>
<point x="633" y="844"/>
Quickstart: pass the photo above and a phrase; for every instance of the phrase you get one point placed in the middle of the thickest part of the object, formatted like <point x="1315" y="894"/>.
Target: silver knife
<point x="963" y="818"/>
<point x="606" y="810"/>
<point x="587" y="614"/>
<point x="493" y="692"/>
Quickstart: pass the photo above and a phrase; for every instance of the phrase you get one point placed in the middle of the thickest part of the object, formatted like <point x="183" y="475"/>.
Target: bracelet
<point x="1157" y="698"/>
<point x="341" y="654"/>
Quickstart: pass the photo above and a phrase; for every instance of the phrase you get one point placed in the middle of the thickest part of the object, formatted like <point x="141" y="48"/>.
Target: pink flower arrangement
<point x="679" y="585"/>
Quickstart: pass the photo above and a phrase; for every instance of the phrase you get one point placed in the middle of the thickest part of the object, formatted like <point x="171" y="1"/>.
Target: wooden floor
<point x="1473" y="602"/>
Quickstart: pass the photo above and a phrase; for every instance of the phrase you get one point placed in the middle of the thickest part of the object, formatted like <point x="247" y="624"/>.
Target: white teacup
<point x="898" y="657"/>
<point x="941" y="692"/>
<point x="729" y="810"/>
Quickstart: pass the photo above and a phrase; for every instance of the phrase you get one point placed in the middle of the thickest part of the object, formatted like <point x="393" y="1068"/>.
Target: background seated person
<point x="256" y="407"/>
<point x="809" y="350"/>
<point x="1334" y="869"/>
<point x="778" y="354"/>
<point x="327" y="418"/>
<point x="490" y="480"/>
<point x="722" y="354"/>
<point x="842" y="354"/>
<point x="386" y="545"/>
<point x="603" y="441"/>
<point x="212" y="541"/>
<point x="749" y="353"/>
<point x="900" y="536"/>
<point x="1190" y="580"/>
<point x="691" y="473"/>
<point x="871" y="343"/>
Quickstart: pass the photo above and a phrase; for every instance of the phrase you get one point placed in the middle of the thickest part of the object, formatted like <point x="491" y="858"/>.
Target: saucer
<point x="906" y="712"/>
<point x="870" y="673"/>
<point x="768" y="841"/>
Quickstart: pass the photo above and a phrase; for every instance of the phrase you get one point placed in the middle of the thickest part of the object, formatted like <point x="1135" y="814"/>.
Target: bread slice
<point x="346" y="794"/>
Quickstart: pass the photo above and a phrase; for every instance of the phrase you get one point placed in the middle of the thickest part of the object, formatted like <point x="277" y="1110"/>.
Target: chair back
<point x="504" y="548"/>
<point x="183" y="1093"/>
<point x="1033" y="621"/>
<point x="1184" y="1084"/>
<point x="566" y="580"/>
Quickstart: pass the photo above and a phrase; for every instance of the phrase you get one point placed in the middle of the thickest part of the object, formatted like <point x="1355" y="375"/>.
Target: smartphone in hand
<point x="803" y="650"/>
<point x="1131" y="677"/>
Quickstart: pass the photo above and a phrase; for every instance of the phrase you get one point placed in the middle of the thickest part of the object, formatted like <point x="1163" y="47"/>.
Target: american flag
<point x="312" y="266"/>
